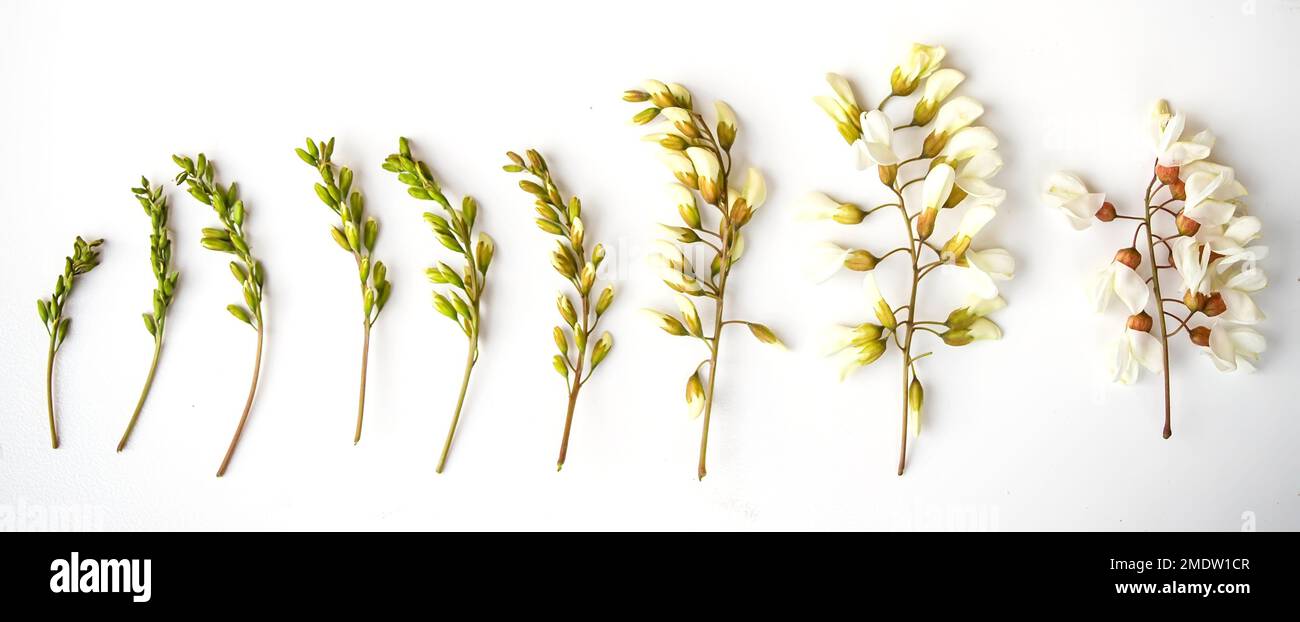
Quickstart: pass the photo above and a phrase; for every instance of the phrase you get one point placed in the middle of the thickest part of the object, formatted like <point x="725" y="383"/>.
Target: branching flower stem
<point x="1147" y="211"/>
<point x="726" y="238"/>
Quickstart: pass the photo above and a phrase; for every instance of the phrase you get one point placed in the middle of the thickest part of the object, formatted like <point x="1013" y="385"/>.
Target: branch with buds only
<point x="160" y="257"/>
<point x="701" y="160"/>
<point x="85" y="256"/>
<point x="1204" y="236"/>
<point x="199" y="178"/>
<point x="356" y="235"/>
<point x="953" y="166"/>
<point x="456" y="233"/>
<point x="564" y="220"/>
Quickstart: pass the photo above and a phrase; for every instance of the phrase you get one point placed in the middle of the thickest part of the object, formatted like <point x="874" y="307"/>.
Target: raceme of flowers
<point x="947" y="178"/>
<point x="1193" y="266"/>
<point x="700" y="158"/>
<point x="1193" y="222"/>
<point x="569" y="258"/>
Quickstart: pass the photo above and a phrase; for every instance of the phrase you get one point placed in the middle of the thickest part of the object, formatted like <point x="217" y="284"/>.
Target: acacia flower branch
<point x="961" y="159"/>
<point x="701" y="160"/>
<point x="1211" y="250"/>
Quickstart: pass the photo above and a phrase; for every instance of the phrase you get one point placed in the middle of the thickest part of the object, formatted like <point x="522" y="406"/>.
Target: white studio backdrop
<point x="1021" y="434"/>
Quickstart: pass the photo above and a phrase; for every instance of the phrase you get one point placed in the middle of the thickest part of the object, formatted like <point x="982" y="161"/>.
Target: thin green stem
<point x="361" y="399"/>
<point x="470" y="358"/>
<point x="144" y="393"/>
<point x="49" y="392"/>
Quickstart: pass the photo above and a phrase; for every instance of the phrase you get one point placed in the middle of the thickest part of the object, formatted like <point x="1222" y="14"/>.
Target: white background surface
<point x="1021" y="434"/>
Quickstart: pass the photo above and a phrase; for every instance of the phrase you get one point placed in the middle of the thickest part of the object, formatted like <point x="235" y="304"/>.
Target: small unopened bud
<point x="1186" y="226"/>
<point x="915" y="399"/>
<point x="957" y="337"/>
<point x="1107" y="212"/>
<point x="1200" y="336"/>
<point x="925" y="222"/>
<point x="849" y="214"/>
<point x="1129" y="257"/>
<point x="1140" y="322"/>
<point x="860" y="261"/>
<point x="888" y="174"/>
<point x="1194" y="301"/>
<point x="1168" y="175"/>
<point x="1178" y="190"/>
<point x="1214" y="305"/>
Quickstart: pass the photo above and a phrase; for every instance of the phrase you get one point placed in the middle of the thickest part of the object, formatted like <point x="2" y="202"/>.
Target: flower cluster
<point x="455" y="232"/>
<point x="199" y="177"/>
<point x="85" y="256"/>
<point x="356" y="235"/>
<point x="154" y="202"/>
<point x="1207" y="239"/>
<point x="564" y="220"/>
<point x="701" y="160"/>
<point x="954" y="165"/>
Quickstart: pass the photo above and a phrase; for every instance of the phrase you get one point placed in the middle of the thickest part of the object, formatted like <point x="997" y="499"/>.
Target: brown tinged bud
<point x="1129" y="257"/>
<point x="1214" y="305"/>
<point x="1200" y="336"/>
<point x="925" y="223"/>
<point x="1194" y="301"/>
<point x="635" y="96"/>
<point x="1168" y="175"/>
<point x="888" y="174"/>
<point x="1186" y="226"/>
<point x="1107" y="212"/>
<point x="1178" y="190"/>
<point x="1141" y="322"/>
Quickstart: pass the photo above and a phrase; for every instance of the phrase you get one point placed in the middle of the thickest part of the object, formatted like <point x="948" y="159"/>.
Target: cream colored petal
<point x="871" y="290"/>
<point x="1101" y="287"/>
<point x="832" y="108"/>
<point x="1146" y="350"/>
<point x="1222" y="351"/>
<point x="968" y="143"/>
<point x="835" y="338"/>
<point x="1210" y="212"/>
<point x="705" y="163"/>
<point x="816" y="206"/>
<point x="983" y="165"/>
<point x="1131" y="288"/>
<point x="1241" y="307"/>
<point x="843" y="89"/>
<point x="937" y="186"/>
<point x="975" y="218"/>
<point x="981" y="283"/>
<point x="956" y="114"/>
<point x="983" y="329"/>
<point x="941" y="84"/>
<point x="755" y="191"/>
<point x="823" y="260"/>
<point x="726" y="116"/>
<point x="996" y="262"/>
<point x="981" y="307"/>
